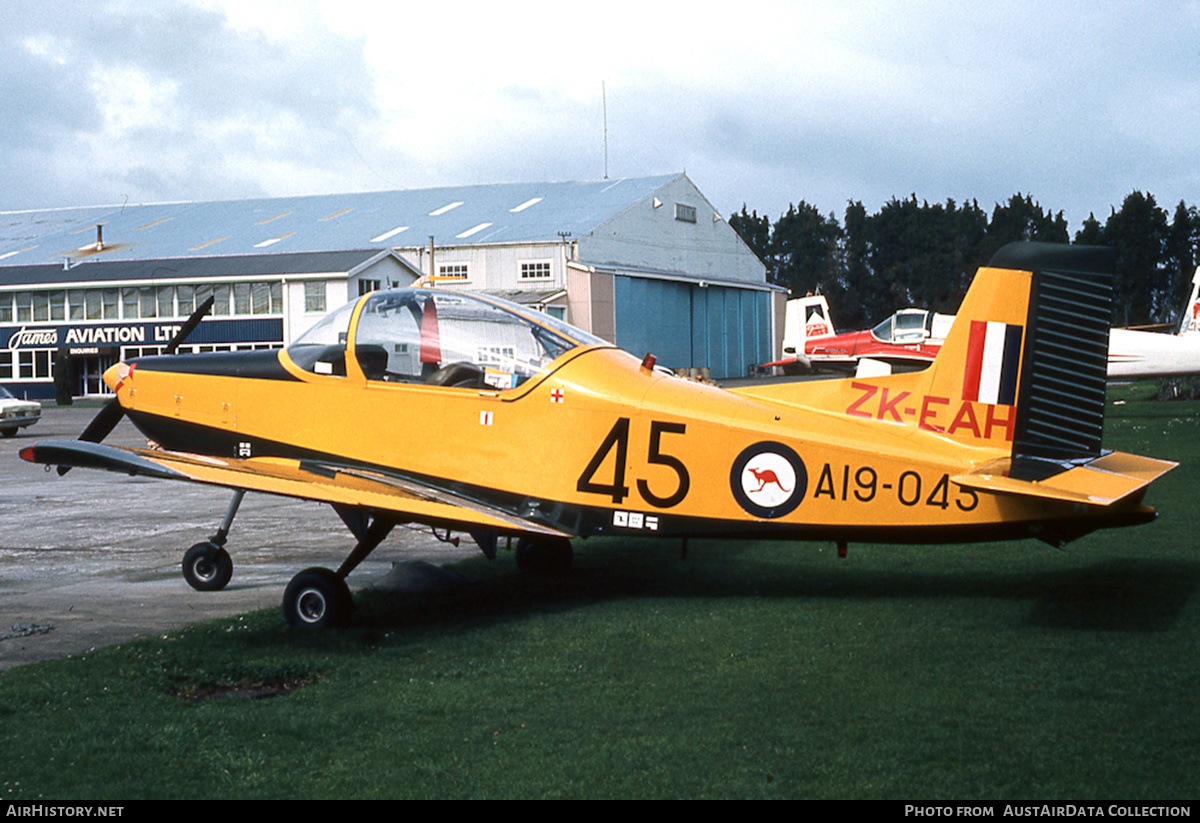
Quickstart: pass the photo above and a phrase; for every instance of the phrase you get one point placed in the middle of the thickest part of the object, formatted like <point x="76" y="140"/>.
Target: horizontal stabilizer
<point x="1100" y="482"/>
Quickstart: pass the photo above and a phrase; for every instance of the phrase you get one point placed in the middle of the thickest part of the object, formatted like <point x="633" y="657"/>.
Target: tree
<point x="846" y="295"/>
<point x="912" y="253"/>
<point x="1180" y="259"/>
<point x="755" y="231"/>
<point x="804" y="246"/>
<point x="1138" y="232"/>
<point x="1092" y="233"/>
<point x="1022" y="219"/>
<point x="923" y="255"/>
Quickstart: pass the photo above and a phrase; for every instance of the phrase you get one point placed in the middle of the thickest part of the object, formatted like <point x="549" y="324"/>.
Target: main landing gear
<point x="319" y="598"/>
<point x="544" y="555"/>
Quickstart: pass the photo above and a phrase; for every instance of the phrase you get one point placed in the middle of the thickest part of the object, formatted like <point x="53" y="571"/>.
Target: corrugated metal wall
<point x="686" y="326"/>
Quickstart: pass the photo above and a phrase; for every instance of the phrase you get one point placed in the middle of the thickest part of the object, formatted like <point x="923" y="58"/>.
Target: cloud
<point x="167" y="102"/>
<point x="763" y="103"/>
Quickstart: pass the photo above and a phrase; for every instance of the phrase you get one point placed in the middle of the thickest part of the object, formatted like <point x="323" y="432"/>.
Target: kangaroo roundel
<point x="768" y="479"/>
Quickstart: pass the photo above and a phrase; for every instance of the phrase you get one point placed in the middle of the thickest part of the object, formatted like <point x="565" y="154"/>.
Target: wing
<point x="304" y="479"/>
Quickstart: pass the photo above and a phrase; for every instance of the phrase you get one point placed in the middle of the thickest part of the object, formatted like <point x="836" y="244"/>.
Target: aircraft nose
<point x="116" y="375"/>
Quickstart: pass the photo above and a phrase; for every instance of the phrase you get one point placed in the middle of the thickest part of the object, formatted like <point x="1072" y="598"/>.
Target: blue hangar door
<point x="685" y="326"/>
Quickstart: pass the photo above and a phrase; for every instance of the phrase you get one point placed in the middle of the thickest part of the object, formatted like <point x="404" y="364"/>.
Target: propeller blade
<point x="104" y="422"/>
<point x="189" y="326"/>
<point x="112" y="412"/>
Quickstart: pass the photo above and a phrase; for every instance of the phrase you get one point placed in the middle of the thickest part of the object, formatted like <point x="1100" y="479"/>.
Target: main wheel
<point x="546" y="555"/>
<point x="207" y="567"/>
<point x="317" y="598"/>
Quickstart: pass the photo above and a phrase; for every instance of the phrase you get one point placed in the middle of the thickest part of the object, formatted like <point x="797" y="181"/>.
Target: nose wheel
<point x="207" y="567"/>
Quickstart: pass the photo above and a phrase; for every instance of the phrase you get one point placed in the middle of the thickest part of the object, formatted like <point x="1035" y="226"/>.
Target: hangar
<point x="645" y="262"/>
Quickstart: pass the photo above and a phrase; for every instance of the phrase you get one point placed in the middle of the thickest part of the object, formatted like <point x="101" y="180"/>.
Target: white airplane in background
<point x="912" y="337"/>
<point x="1134" y="353"/>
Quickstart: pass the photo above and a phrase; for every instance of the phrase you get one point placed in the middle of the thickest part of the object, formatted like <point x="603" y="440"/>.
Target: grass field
<point x="991" y="671"/>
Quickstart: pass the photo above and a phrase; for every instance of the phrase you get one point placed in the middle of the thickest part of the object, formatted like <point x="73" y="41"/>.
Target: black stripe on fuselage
<point x="258" y="365"/>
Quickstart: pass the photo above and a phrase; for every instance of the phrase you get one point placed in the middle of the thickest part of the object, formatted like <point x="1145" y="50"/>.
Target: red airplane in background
<point x="909" y="338"/>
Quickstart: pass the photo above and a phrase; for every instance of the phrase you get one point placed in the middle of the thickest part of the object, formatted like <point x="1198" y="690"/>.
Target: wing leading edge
<point x="303" y="479"/>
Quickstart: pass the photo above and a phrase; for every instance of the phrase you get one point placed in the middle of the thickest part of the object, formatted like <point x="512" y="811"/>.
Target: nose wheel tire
<point x="317" y="598"/>
<point x="207" y="567"/>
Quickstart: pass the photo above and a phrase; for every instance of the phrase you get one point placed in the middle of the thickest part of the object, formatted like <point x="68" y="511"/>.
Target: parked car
<point x="16" y="414"/>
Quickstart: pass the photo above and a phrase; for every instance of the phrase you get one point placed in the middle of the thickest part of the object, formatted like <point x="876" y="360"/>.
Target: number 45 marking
<point x="618" y="440"/>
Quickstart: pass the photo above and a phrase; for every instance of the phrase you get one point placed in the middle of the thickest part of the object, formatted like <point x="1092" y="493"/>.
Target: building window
<point x="314" y="296"/>
<point x="366" y="285"/>
<point x="201" y="293"/>
<point x="166" y="301"/>
<point x="129" y="304"/>
<point x="685" y="213"/>
<point x="221" y="299"/>
<point x="453" y="271"/>
<point x="241" y="298"/>
<point x="536" y="270"/>
<point x="35" y="364"/>
<point x="148" y="297"/>
<point x="130" y="352"/>
<point x="94" y="302"/>
<point x="185" y="295"/>
<point x="260" y="298"/>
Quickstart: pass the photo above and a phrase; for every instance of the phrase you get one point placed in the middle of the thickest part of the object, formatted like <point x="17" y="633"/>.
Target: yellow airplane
<point x="467" y="413"/>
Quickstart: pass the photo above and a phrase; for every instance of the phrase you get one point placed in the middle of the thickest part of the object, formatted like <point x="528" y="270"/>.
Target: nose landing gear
<point x="207" y="567"/>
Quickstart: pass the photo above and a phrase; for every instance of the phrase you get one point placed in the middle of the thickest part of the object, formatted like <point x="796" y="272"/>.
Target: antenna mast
<point x="604" y="106"/>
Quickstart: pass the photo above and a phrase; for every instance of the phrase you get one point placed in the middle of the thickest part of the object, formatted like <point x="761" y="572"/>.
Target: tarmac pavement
<point x="93" y="558"/>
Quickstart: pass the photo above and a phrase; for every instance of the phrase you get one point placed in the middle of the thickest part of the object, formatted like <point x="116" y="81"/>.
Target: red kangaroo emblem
<point x="765" y="476"/>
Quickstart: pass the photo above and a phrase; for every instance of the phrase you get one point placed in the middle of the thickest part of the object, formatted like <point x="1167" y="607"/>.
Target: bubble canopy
<point x="438" y="337"/>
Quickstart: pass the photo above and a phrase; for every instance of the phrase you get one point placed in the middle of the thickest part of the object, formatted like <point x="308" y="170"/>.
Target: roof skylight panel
<point x="473" y="230"/>
<point x="389" y="234"/>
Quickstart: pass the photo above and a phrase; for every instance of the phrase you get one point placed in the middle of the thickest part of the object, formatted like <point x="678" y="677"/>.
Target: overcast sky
<point x="763" y="103"/>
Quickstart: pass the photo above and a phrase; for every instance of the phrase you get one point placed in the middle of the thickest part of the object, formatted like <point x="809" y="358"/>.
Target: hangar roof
<point x="460" y="215"/>
<point x="238" y="266"/>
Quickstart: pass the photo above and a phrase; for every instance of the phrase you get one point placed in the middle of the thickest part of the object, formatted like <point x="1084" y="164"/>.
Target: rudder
<point x="1032" y="334"/>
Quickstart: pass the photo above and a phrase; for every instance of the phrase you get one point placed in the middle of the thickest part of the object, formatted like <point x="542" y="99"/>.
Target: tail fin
<point x="1022" y="371"/>
<point x="805" y="318"/>
<point x="1190" y="322"/>
<point x="1032" y="334"/>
